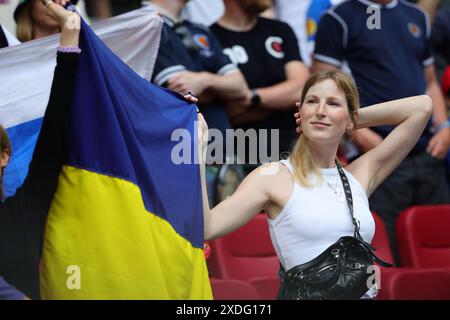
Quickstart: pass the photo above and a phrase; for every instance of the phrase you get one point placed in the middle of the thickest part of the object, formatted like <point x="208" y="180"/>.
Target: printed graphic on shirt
<point x="274" y="45"/>
<point x="237" y="54"/>
<point x="203" y="43"/>
<point x="414" y="29"/>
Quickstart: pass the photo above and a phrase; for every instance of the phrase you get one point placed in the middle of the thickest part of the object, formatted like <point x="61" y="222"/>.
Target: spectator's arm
<point x="434" y="91"/>
<point x="285" y="94"/>
<point x="440" y="143"/>
<point x="231" y="85"/>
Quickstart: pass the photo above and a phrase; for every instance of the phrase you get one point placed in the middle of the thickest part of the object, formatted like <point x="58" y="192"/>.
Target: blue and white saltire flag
<point x="26" y="74"/>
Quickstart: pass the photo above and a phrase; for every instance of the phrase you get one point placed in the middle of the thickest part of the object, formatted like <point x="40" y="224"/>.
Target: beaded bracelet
<point x="69" y="49"/>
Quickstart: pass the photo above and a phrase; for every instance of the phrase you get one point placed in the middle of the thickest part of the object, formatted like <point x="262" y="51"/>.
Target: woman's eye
<point x="332" y="103"/>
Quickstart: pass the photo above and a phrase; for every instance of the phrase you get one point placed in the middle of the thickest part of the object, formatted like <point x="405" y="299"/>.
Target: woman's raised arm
<point x="410" y="116"/>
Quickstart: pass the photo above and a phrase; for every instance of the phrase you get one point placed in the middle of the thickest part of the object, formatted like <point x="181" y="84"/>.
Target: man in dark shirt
<point x="440" y="35"/>
<point x="267" y="53"/>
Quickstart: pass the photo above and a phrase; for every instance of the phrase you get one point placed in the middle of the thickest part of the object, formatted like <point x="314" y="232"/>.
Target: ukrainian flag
<point x="126" y="222"/>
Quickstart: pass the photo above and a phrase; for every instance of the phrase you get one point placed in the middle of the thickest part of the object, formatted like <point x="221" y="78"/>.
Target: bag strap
<point x="349" y="198"/>
<point x="356" y="223"/>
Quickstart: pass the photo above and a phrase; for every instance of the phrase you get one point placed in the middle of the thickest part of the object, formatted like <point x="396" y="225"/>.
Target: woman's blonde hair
<point x="5" y="145"/>
<point x="25" y="29"/>
<point x="301" y="157"/>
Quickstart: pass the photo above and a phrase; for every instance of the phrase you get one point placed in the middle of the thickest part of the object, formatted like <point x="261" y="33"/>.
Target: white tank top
<point x="314" y="218"/>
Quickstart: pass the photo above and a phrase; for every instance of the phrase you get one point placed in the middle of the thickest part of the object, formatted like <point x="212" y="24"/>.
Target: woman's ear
<point x="4" y="158"/>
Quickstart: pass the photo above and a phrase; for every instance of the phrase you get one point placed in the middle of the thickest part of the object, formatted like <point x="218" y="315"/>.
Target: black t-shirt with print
<point x="262" y="54"/>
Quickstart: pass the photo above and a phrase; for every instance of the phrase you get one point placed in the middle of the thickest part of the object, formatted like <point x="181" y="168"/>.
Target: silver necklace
<point x="339" y="192"/>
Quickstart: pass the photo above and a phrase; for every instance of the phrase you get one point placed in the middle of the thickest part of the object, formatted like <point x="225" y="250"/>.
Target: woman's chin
<point x="322" y="137"/>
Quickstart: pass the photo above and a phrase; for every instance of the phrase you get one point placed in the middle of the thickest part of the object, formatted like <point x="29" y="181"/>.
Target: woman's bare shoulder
<point x="277" y="181"/>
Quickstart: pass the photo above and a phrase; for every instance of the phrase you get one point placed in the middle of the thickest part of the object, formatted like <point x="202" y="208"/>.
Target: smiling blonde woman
<point x="303" y="197"/>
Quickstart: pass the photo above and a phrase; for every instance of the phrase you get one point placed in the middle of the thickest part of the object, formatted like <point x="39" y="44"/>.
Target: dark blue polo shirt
<point x="441" y="33"/>
<point x="186" y="46"/>
<point x="386" y="63"/>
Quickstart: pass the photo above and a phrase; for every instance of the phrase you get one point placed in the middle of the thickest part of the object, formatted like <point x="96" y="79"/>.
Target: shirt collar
<point x="389" y="5"/>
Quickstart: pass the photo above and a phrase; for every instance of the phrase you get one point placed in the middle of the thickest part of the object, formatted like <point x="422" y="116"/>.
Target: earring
<point x="348" y="131"/>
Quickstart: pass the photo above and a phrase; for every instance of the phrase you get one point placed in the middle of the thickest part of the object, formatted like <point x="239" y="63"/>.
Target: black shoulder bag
<point x="341" y="272"/>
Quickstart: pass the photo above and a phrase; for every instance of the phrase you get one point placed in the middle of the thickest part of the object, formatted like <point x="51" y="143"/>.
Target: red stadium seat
<point x="423" y="236"/>
<point x="244" y="254"/>
<point x="266" y="287"/>
<point x="381" y="240"/>
<point x="383" y="250"/>
<point x="407" y="283"/>
<point x="233" y="290"/>
<point x="414" y="284"/>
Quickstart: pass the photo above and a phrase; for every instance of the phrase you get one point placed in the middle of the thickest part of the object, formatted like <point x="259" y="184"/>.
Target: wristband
<point x="443" y="125"/>
<point x="69" y="49"/>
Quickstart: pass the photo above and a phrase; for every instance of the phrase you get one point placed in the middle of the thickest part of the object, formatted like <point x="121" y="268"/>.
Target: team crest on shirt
<point x="202" y="42"/>
<point x="274" y="45"/>
<point x="414" y="30"/>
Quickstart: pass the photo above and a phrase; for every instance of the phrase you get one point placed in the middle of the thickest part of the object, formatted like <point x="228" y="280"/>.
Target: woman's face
<point x="41" y="17"/>
<point x="324" y="113"/>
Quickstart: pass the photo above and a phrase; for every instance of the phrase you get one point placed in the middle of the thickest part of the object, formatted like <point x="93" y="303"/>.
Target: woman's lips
<point x="320" y="125"/>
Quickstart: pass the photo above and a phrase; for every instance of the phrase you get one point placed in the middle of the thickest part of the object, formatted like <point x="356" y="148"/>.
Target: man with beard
<point x="267" y="53"/>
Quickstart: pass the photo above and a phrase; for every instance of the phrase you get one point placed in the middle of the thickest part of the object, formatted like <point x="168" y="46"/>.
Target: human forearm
<point x="229" y="86"/>
<point x="281" y="96"/>
<point x="284" y="94"/>
<point x="393" y="112"/>
<point x="440" y="110"/>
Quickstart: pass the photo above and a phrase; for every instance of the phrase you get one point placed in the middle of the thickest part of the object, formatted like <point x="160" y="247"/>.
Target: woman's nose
<point x="320" y="109"/>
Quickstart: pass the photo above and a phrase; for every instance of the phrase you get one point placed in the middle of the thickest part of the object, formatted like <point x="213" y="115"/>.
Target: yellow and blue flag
<point x="126" y="222"/>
